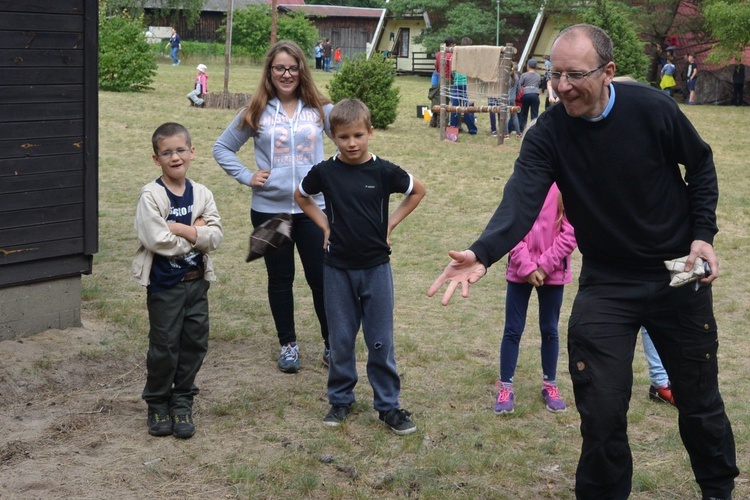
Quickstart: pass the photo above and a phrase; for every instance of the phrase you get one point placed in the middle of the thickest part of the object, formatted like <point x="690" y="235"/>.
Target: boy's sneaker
<point x="159" y="424"/>
<point x="184" y="427"/>
<point x="398" y="420"/>
<point x="663" y="393"/>
<point x="289" y="358"/>
<point x="336" y="415"/>
<point x="504" y="402"/>
<point x="552" y="397"/>
<point x="326" y="358"/>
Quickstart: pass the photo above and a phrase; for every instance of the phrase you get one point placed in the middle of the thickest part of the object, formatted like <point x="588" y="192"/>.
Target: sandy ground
<point x="72" y="424"/>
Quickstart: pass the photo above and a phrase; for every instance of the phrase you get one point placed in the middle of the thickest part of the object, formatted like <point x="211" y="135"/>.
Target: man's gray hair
<point x="599" y="39"/>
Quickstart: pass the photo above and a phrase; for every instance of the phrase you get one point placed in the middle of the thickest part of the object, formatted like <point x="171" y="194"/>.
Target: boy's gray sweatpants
<point x="353" y="298"/>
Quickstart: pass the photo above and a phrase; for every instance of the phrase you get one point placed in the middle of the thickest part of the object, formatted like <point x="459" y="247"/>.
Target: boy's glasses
<point x="574" y="76"/>
<point x="179" y="152"/>
<point x="280" y="70"/>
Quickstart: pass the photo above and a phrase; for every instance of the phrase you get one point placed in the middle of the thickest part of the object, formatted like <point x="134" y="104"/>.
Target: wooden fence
<point x="226" y="101"/>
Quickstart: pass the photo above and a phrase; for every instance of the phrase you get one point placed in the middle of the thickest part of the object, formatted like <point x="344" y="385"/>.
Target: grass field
<point x="448" y="357"/>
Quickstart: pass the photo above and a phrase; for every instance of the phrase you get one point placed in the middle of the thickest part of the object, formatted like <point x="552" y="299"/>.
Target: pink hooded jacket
<point x="548" y="245"/>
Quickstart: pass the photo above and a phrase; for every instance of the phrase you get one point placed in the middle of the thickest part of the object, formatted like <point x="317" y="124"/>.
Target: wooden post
<point x="228" y="46"/>
<point x="444" y="82"/>
<point x="506" y="66"/>
<point x="274" y="7"/>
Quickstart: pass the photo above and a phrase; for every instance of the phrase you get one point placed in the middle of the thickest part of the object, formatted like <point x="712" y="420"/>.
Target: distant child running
<point x="177" y="224"/>
<point x="542" y="261"/>
<point x="200" y="88"/>
<point x="358" y="284"/>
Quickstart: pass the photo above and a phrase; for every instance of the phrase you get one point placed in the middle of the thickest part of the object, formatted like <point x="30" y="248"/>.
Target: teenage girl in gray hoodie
<point x="286" y="118"/>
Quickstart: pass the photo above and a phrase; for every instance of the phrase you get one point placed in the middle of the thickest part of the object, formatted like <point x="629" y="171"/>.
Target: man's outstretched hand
<point x="463" y="269"/>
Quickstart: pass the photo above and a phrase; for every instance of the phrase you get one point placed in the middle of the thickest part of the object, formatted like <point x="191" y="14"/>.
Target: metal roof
<point x="331" y="10"/>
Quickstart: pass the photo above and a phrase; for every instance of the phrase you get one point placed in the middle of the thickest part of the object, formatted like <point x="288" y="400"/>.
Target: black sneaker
<point x="184" y="427"/>
<point x="398" y="420"/>
<point x="336" y="415"/>
<point x="159" y="424"/>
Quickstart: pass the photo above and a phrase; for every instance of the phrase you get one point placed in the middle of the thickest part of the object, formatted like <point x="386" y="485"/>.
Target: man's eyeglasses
<point x="168" y="154"/>
<point x="574" y="76"/>
<point x="280" y="70"/>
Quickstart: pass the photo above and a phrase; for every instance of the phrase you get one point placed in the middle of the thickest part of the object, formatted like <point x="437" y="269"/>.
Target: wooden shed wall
<point x="351" y="33"/>
<point x="48" y="139"/>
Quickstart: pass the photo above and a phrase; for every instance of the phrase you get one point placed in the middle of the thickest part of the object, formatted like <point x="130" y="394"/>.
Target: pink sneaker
<point x="552" y="397"/>
<point x="504" y="402"/>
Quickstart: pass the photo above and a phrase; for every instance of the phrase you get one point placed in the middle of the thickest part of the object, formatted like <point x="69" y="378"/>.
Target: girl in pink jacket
<point x="542" y="261"/>
<point x="200" y="88"/>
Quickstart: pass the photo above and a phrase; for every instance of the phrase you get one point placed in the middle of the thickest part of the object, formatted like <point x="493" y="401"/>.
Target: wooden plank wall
<point x="48" y="139"/>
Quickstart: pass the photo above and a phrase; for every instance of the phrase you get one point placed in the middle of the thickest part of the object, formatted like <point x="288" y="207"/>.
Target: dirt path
<point x="72" y="424"/>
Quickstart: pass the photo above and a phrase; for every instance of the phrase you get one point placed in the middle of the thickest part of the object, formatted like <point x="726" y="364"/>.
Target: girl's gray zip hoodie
<point x="280" y="135"/>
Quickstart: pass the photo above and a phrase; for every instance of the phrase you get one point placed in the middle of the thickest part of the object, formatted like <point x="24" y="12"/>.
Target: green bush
<point x="126" y="61"/>
<point x="370" y="81"/>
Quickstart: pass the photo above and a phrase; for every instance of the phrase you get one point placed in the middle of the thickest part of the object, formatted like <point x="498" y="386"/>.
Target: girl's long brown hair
<point x="306" y="90"/>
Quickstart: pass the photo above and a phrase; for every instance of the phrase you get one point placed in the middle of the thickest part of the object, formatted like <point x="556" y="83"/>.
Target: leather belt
<point x="193" y="275"/>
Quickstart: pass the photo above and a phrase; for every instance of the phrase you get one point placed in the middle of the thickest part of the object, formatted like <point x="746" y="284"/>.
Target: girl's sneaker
<point x="289" y="358"/>
<point x="552" y="397"/>
<point x="504" y="402"/>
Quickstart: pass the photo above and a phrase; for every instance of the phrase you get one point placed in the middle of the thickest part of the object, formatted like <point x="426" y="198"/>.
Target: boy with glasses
<point x="178" y="225"/>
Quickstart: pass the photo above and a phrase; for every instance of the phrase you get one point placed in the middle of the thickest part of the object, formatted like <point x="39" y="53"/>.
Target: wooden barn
<point x="351" y="28"/>
<point x="48" y="161"/>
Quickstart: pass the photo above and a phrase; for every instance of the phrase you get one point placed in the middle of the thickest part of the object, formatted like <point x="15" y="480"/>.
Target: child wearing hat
<point x="199" y="89"/>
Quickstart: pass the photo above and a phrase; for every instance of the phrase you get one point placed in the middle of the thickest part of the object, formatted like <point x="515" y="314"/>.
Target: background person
<point x="327" y="55"/>
<point x="337" y="58"/>
<point x="460" y="97"/>
<point x="660" y="388"/>
<point x="286" y="119"/>
<point x="692" y="77"/>
<point x="435" y="81"/>
<point x="667" y="82"/>
<point x="551" y="96"/>
<point x="200" y="87"/>
<point x="625" y="231"/>
<point x="529" y="81"/>
<point x="175" y="45"/>
<point x="738" y="83"/>
<point x="319" y="54"/>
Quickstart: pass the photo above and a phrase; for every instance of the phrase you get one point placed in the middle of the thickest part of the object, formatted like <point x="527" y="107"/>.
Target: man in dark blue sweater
<point x="615" y="151"/>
